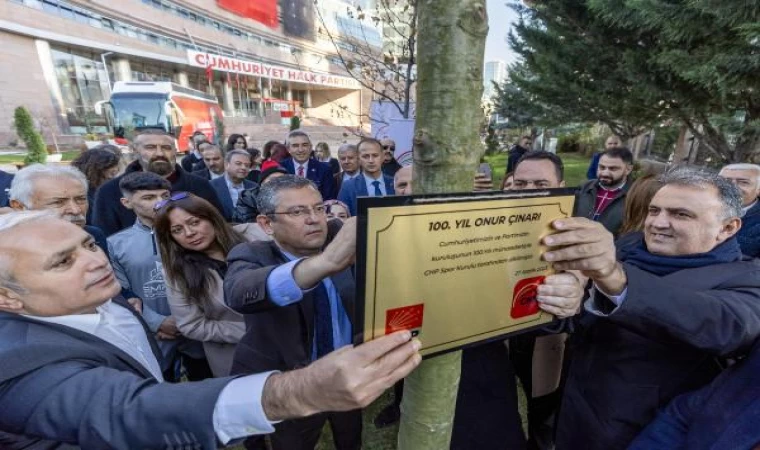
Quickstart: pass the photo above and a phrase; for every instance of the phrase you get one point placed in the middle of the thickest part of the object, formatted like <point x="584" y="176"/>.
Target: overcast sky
<point x="500" y="19"/>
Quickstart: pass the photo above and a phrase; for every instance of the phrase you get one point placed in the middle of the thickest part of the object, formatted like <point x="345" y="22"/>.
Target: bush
<point x="295" y="123"/>
<point x="492" y="142"/>
<point x="36" y="152"/>
<point x="569" y="143"/>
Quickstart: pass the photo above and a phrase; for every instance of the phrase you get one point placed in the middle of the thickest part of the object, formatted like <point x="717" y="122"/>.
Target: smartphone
<point x="485" y="169"/>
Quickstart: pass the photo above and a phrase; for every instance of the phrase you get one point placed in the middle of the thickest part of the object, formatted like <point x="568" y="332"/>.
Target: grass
<point x="19" y="157"/>
<point x="575" y="167"/>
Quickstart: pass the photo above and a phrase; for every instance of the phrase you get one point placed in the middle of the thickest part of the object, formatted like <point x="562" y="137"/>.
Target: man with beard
<point x="213" y="160"/>
<point x="61" y="189"/>
<point x="603" y="199"/>
<point x="156" y="153"/>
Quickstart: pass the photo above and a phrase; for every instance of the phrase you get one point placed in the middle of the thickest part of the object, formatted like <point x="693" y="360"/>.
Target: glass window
<point x="47" y="6"/>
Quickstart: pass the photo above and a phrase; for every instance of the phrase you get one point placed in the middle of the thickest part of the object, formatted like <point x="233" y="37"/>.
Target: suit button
<point x="256" y="293"/>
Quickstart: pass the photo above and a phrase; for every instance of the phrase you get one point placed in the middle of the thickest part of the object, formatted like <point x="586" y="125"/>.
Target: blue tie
<point x="378" y="192"/>
<point x="323" y="327"/>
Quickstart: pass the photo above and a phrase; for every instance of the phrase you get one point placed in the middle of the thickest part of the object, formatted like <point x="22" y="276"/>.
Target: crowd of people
<point x="202" y="302"/>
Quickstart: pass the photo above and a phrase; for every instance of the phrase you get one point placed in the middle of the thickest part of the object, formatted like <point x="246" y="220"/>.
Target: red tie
<point x="300" y="171"/>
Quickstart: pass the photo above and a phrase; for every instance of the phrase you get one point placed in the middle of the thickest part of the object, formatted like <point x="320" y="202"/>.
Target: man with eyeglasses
<point x="297" y="294"/>
<point x="390" y="165"/>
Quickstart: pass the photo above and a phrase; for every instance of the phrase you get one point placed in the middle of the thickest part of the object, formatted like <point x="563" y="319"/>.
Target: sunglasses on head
<point x="174" y="197"/>
<point x="389" y="147"/>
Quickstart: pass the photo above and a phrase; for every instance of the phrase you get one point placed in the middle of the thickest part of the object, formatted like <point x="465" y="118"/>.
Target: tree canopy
<point x="634" y="63"/>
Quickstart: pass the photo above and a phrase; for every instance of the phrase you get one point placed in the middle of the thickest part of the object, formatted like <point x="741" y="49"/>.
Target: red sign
<point x="524" y="301"/>
<point x="406" y="318"/>
<point x="264" y="11"/>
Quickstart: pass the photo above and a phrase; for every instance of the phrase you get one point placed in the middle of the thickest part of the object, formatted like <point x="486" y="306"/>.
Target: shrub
<point x="569" y="143"/>
<point x="295" y="123"/>
<point x="36" y="152"/>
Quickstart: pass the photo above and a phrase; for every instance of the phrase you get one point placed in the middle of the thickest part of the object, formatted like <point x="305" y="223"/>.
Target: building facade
<point x="495" y="72"/>
<point x="264" y="61"/>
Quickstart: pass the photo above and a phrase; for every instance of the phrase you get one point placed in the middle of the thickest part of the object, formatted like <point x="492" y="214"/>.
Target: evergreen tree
<point x="36" y="152"/>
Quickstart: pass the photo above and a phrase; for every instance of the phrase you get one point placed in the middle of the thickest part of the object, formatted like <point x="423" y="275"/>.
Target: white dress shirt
<point x="215" y="176"/>
<point x="235" y="190"/>
<point x="238" y="411"/>
<point x="305" y="166"/>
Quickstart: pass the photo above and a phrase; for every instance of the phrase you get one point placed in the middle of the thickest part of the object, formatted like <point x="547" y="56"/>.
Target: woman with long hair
<point x="236" y="142"/>
<point x="277" y="153"/>
<point x="98" y="164"/>
<point x="322" y="153"/>
<point x="194" y="240"/>
<point x="637" y="209"/>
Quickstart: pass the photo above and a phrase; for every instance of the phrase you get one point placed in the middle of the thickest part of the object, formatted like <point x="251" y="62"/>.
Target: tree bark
<point x="447" y="150"/>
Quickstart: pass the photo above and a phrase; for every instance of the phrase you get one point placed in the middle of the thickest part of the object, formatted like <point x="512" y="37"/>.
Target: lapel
<point x="313" y="173"/>
<point x="389" y="185"/>
<point x="360" y="183"/>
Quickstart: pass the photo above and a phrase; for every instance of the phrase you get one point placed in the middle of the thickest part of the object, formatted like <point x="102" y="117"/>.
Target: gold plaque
<point x="455" y="270"/>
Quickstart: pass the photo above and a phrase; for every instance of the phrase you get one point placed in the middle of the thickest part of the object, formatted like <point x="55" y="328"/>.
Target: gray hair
<point x="231" y="153"/>
<point x="9" y="222"/>
<point x="744" y="166"/>
<point x="23" y="185"/>
<point x="267" y="200"/>
<point x="296" y="133"/>
<point x="700" y="178"/>
<point x="347" y="148"/>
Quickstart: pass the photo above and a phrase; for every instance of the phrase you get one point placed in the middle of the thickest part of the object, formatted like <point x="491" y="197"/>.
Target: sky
<point x="500" y="19"/>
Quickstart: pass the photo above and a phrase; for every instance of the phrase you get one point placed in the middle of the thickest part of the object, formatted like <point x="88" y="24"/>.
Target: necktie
<point x="378" y="192"/>
<point x="300" y="171"/>
<point x="323" y="329"/>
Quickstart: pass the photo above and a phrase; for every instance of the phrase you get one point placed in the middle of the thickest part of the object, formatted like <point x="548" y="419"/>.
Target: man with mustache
<point x="61" y="189"/>
<point x="156" y="152"/>
<point x="603" y="199"/>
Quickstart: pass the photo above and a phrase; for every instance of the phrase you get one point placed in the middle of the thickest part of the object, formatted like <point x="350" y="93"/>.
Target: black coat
<point x="5" y="184"/>
<point x="612" y="216"/>
<point x="668" y="337"/>
<point x="111" y="216"/>
<point x="277" y="337"/>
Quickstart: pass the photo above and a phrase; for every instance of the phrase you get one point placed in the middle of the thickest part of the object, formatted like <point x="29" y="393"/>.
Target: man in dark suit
<point x="602" y="199"/>
<point x="297" y="294"/>
<point x="746" y="177"/>
<point x="237" y="164"/>
<point x="155" y="153"/>
<point x="348" y="157"/>
<point x="372" y="182"/>
<point x="213" y="161"/>
<point x="5" y="184"/>
<point x="302" y="163"/>
<point x="193" y="160"/>
<point x="661" y="314"/>
<point x="722" y="415"/>
<point x="81" y="370"/>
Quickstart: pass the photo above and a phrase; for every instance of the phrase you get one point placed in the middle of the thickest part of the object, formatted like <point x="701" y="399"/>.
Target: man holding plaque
<point x="662" y="314"/>
<point x="297" y="293"/>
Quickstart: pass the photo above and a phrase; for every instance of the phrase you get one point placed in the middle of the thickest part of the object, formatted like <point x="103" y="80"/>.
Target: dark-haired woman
<point x="236" y="142"/>
<point x="98" y="164"/>
<point x="194" y="241"/>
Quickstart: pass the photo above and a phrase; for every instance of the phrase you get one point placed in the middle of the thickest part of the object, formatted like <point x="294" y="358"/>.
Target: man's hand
<point x="482" y="183"/>
<point x="336" y="257"/>
<point x="560" y="294"/>
<point x="346" y="379"/>
<point x="583" y="245"/>
<point x="168" y="329"/>
<point x="136" y="303"/>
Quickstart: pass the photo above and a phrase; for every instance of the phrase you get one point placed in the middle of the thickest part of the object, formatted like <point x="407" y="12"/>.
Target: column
<point x="228" y="98"/>
<point x="121" y="69"/>
<point x="181" y="79"/>
<point x="307" y="98"/>
<point x="48" y="73"/>
<point x="289" y="93"/>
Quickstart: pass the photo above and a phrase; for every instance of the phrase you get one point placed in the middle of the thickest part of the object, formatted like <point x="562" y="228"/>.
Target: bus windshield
<point x="138" y="110"/>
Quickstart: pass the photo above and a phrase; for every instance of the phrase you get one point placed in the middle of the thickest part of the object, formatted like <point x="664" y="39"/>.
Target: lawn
<point x="575" y="167"/>
<point x="11" y="158"/>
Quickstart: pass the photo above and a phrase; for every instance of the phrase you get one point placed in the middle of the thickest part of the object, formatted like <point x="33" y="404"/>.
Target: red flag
<point x="237" y="80"/>
<point x="228" y="78"/>
<point x="209" y="72"/>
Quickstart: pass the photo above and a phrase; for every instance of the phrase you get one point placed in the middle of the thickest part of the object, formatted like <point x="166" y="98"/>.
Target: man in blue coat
<point x="372" y="182"/>
<point x="722" y="415"/>
<point x="747" y="178"/>
<point x="303" y="164"/>
<point x="229" y="187"/>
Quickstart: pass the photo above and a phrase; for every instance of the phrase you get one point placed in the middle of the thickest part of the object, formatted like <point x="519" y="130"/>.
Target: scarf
<point x="639" y="256"/>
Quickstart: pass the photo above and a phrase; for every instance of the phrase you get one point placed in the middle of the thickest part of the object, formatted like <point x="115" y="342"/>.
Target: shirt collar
<point x="368" y="177"/>
<point x="750" y="206"/>
<point x="232" y="185"/>
<point x="83" y="322"/>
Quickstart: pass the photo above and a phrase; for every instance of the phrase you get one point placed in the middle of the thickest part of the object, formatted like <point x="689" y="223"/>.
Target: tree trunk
<point x="447" y="150"/>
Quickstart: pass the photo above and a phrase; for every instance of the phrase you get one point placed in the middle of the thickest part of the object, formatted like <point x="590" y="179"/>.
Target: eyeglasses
<point x="389" y="147"/>
<point x="176" y="196"/>
<point x="304" y="211"/>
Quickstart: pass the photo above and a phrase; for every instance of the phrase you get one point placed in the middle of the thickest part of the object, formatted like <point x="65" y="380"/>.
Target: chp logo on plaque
<point x="524" y="301"/>
<point x="405" y="318"/>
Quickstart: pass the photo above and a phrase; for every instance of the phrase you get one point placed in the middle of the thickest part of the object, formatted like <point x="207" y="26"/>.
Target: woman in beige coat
<point x="194" y="241"/>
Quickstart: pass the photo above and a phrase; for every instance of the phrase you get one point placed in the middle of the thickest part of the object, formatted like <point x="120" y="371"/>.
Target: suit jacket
<point x="65" y="386"/>
<point x="220" y="186"/>
<point x="191" y="163"/>
<point x="722" y="415"/>
<point x="202" y="173"/>
<point x="5" y="184"/>
<point x="111" y="216"/>
<point x="277" y="337"/>
<point x="318" y="172"/>
<point x="612" y="216"/>
<point x="667" y="338"/>
<point x="357" y="187"/>
<point x="214" y="324"/>
<point x="749" y="234"/>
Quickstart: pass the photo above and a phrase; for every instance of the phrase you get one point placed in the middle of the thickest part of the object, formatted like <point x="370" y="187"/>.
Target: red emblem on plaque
<point x="524" y="301"/>
<point x="406" y="318"/>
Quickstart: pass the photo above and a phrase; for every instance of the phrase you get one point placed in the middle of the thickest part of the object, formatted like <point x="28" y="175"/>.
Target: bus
<point x="179" y="110"/>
